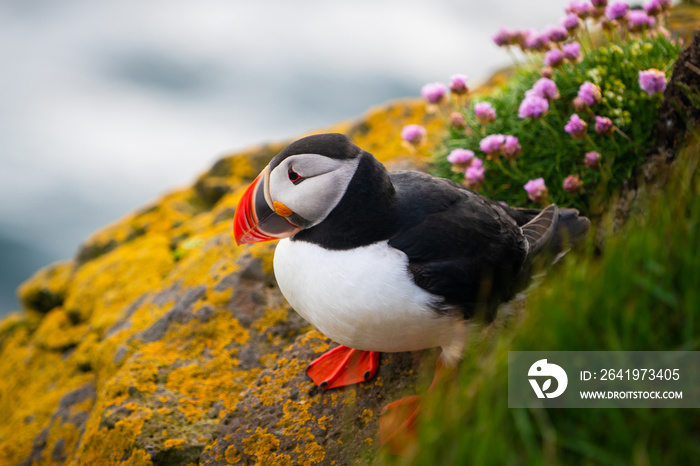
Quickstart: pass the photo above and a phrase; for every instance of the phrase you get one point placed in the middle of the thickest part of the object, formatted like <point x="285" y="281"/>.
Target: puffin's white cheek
<point x="312" y="199"/>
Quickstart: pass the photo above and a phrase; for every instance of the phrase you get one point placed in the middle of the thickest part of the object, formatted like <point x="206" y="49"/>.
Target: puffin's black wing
<point x="461" y="246"/>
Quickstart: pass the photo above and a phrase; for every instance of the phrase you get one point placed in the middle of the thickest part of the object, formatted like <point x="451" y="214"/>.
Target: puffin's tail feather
<point x="572" y="228"/>
<point x="540" y="230"/>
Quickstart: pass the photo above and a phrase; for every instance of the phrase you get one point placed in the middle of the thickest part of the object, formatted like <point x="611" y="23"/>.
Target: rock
<point x="680" y="110"/>
<point x="164" y="343"/>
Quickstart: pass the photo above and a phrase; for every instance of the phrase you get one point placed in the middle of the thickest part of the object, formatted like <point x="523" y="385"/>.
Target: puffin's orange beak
<point x="255" y="219"/>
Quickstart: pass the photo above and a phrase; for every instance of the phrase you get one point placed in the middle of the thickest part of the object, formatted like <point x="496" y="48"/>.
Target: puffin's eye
<point x="294" y="177"/>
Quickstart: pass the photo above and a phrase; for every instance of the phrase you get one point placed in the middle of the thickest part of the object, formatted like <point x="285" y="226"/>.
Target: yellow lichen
<point x="232" y="455"/>
<point x="174" y="443"/>
<point x="46" y="288"/>
<point x="324" y="422"/>
<point x="315" y="452"/>
<point x="180" y="240"/>
<point x="263" y="447"/>
<point x="366" y="416"/>
<point x="270" y="318"/>
<point x="111" y="445"/>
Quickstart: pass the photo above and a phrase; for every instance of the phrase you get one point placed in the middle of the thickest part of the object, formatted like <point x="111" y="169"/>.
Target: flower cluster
<point x="463" y="160"/>
<point x="549" y="138"/>
<point x="536" y="190"/>
<point x="652" y="81"/>
<point x="556" y="40"/>
<point x="413" y="134"/>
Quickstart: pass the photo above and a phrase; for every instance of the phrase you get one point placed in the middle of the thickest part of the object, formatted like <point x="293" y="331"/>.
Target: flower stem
<point x="556" y="137"/>
<point x="592" y="143"/>
<point x="506" y="171"/>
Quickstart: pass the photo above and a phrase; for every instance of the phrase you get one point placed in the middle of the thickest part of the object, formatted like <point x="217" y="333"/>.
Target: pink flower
<point x="638" y="21"/>
<point x="457" y="120"/>
<point x="503" y="37"/>
<point x="533" y="106"/>
<point x="557" y="33"/>
<point x="554" y="58"/>
<point x="545" y="88"/>
<point x="589" y="93"/>
<point x="413" y="134"/>
<point x="492" y="144"/>
<point x="474" y="175"/>
<point x="580" y="8"/>
<point x="592" y="159"/>
<point x="536" y="190"/>
<point x="652" y="81"/>
<point x="572" y="184"/>
<point x="536" y="41"/>
<point x="458" y="84"/>
<point x="570" y="22"/>
<point x="461" y="158"/>
<point x="576" y="127"/>
<point x="511" y="147"/>
<point x="572" y="51"/>
<point x="484" y="113"/>
<point x="579" y="104"/>
<point x="653" y="7"/>
<point x="434" y="92"/>
<point x="603" y="125"/>
<point x="617" y="10"/>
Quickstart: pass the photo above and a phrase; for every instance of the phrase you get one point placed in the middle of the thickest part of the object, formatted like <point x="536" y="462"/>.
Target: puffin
<point x="396" y="261"/>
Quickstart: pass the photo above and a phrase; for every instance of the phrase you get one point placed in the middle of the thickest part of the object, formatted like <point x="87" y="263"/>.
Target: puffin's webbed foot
<point x="399" y="420"/>
<point x="397" y="424"/>
<point x="343" y="366"/>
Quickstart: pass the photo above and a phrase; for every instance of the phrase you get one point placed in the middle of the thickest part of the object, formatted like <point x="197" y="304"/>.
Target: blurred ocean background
<point x="104" y="105"/>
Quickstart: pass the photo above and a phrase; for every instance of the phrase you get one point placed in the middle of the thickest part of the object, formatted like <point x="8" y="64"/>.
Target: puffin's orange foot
<point x="343" y="366"/>
<point x="397" y="424"/>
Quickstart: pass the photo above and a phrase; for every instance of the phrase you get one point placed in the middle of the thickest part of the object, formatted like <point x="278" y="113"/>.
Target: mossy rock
<point x="184" y="336"/>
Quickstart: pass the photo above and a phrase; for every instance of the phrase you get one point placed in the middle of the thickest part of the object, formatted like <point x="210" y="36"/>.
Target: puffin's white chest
<point x="363" y="298"/>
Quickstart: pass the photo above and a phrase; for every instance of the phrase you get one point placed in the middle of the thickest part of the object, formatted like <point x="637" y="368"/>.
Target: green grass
<point x="641" y="293"/>
<point x="551" y="153"/>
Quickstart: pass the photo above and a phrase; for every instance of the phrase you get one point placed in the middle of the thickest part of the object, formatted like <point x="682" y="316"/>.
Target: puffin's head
<point x="297" y="190"/>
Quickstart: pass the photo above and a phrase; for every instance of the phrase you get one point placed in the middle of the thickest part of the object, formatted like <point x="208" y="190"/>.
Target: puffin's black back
<point x="460" y="245"/>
